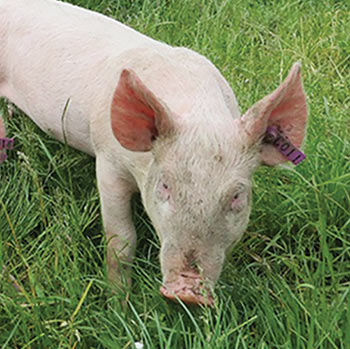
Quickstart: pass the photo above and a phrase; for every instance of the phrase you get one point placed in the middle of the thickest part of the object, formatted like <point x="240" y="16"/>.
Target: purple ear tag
<point x="5" y="144"/>
<point x="278" y="140"/>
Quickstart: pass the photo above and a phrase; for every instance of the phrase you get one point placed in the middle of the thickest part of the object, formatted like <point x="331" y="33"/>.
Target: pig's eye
<point x="163" y="191"/>
<point x="238" y="201"/>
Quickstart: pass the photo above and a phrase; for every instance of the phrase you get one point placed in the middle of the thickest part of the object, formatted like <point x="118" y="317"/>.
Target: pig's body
<point x="59" y="52"/>
<point x="169" y="100"/>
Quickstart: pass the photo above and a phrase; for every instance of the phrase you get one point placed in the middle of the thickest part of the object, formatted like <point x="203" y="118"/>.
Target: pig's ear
<point x="137" y="116"/>
<point x="284" y="108"/>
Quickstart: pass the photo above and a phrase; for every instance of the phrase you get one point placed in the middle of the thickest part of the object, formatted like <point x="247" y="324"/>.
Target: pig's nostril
<point x="187" y="295"/>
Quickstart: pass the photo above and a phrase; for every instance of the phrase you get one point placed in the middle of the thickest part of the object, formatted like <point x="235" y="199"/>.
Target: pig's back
<point x="54" y="54"/>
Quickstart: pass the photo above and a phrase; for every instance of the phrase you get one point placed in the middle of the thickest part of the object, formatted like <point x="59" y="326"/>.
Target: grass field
<point x="285" y="285"/>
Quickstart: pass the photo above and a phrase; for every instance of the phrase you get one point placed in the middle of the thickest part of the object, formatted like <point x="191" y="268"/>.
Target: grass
<point x="286" y="284"/>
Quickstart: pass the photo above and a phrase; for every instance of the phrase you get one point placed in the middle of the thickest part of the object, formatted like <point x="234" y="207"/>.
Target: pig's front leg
<point x="115" y="195"/>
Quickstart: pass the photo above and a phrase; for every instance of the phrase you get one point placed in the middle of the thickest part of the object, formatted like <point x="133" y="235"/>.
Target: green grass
<point x="286" y="284"/>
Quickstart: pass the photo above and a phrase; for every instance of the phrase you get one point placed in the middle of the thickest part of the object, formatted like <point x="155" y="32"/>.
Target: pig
<point x="160" y="120"/>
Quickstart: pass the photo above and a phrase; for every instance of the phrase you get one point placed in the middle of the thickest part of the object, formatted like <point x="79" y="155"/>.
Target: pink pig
<point x="159" y="120"/>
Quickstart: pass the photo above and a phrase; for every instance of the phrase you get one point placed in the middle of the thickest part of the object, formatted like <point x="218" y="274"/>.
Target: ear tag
<point x="5" y="144"/>
<point x="274" y="137"/>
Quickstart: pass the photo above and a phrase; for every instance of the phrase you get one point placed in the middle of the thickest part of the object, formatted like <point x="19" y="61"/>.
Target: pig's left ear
<point x="137" y="116"/>
<point x="286" y="109"/>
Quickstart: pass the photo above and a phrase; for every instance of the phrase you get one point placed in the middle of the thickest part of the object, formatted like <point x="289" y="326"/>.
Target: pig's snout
<point x="189" y="288"/>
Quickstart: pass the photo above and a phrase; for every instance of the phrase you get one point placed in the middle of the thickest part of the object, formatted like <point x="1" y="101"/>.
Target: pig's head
<point x="197" y="191"/>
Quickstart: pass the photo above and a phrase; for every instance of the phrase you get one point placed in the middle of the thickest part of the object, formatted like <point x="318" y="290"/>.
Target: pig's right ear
<point x="137" y="116"/>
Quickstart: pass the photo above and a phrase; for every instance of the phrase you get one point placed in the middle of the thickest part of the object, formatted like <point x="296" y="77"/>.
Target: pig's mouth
<point x="189" y="288"/>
